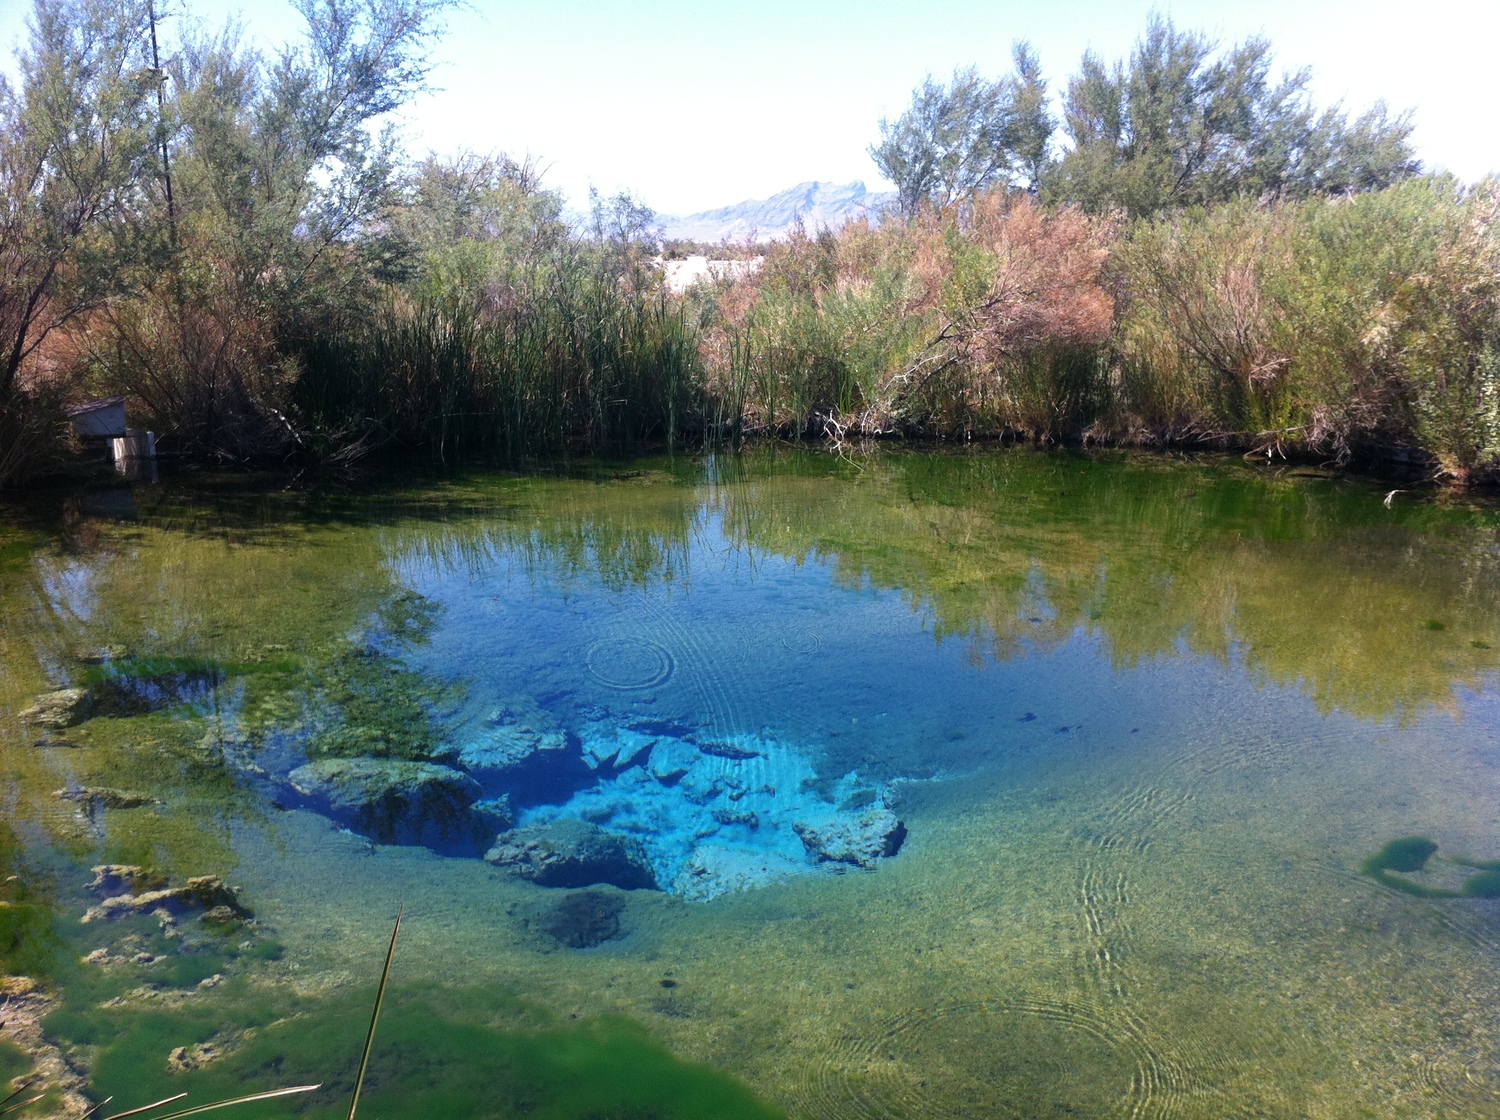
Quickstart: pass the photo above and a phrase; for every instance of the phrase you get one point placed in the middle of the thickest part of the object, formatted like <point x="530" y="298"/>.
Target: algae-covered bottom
<point x="919" y="785"/>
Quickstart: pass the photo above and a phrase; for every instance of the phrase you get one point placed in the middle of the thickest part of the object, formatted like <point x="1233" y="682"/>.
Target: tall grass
<point x="575" y="358"/>
<point x="1329" y="327"/>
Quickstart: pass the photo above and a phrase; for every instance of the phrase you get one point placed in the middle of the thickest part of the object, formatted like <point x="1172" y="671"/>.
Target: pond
<point x="941" y="784"/>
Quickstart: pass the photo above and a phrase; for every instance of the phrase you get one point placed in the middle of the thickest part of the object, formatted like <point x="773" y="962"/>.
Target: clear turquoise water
<point x="1144" y="721"/>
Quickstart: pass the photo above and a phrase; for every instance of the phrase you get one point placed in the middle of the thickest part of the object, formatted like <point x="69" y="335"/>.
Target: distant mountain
<point x="818" y="205"/>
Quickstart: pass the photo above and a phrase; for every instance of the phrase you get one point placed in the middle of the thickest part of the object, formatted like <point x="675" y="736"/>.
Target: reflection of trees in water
<point x="1308" y="582"/>
<point x="1311" y="583"/>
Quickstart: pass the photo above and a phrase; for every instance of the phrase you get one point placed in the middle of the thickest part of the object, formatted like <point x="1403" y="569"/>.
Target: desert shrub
<point x="1023" y="315"/>
<point x="1198" y="336"/>
<point x="984" y="317"/>
<point x="1439" y="336"/>
<point x="1328" y="325"/>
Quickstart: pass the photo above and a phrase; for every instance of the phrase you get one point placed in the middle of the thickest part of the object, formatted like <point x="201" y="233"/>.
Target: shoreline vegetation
<point x="1173" y="250"/>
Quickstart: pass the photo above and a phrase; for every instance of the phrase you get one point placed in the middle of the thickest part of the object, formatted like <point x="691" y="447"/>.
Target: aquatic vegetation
<point x="365" y="702"/>
<point x="1409" y="854"/>
<point x="437" y="1053"/>
<point x="356" y="697"/>
<point x="1484" y="885"/>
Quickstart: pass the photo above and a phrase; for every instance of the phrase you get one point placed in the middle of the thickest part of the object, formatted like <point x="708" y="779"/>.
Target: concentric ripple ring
<point x="796" y="640"/>
<point x="629" y="663"/>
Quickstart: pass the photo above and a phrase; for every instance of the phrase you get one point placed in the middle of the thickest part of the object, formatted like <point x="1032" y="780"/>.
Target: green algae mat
<point x="1002" y="784"/>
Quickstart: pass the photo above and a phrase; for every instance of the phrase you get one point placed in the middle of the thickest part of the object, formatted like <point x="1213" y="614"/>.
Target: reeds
<point x="570" y="358"/>
<point x="1330" y="327"/>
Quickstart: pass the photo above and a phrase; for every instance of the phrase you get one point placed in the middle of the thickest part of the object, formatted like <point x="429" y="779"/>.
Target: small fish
<point x="1064" y="729"/>
<point x="1027" y="718"/>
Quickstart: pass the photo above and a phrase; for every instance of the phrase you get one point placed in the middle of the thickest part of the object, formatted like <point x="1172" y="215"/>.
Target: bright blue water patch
<point x="731" y="719"/>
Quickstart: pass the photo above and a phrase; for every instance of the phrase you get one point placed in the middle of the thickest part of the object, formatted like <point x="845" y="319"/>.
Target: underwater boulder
<point x="584" y="919"/>
<point x="495" y="814"/>
<point x="507" y="748"/>
<point x="93" y="798"/>
<point x="393" y="801"/>
<point x="133" y="890"/>
<point x="671" y="760"/>
<point x="613" y="750"/>
<point x="736" y="752"/>
<point x="118" y="878"/>
<point x="64" y="707"/>
<point x="573" y="853"/>
<point x="523" y="752"/>
<point x="859" y="839"/>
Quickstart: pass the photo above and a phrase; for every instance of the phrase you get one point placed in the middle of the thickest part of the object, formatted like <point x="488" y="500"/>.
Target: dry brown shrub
<point x="1045" y="287"/>
<point x="206" y="370"/>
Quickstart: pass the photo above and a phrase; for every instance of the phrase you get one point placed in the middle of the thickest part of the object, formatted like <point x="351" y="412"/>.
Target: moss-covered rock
<point x="573" y="853"/>
<point x="56" y="710"/>
<point x="393" y="801"/>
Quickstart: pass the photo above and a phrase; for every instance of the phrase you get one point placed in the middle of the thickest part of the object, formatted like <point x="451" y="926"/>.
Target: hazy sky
<point x="700" y="104"/>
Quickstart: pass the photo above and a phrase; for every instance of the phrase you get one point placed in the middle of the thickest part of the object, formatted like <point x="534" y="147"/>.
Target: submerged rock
<point x="504" y="749"/>
<point x="859" y="840"/>
<point x="187" y="1059"/>
<point x="745" y="817"/>
<point x="671" y="760"/>
<point x="101" y="655"/>
<point x="496" y="814"/>
<point x="573" y="853"/>
<point x="613" y="751"/>
<point x="203" y="892"/>
<point x="64" y="707"/>
<point x="117" y="878"/>
<point x="392" y="800"/>
<point x="93" y="798"/>
<point x="733" y="751"/>
<point x="584" y="919"/>
<point x="521" y="750"/>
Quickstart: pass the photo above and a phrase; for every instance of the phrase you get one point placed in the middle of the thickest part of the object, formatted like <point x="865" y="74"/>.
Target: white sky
<point x="695" y="103"/>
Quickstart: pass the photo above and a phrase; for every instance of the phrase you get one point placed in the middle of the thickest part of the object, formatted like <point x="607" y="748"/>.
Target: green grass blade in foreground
<point x="19" y="1089"/>
<point x="385" y="979"/>
<point x="196" y="1109"/>
<point x="146" y="1107"/>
